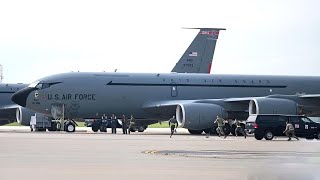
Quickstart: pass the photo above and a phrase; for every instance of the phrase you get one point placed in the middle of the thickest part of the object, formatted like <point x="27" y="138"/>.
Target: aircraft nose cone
<point x="20" y="97"/>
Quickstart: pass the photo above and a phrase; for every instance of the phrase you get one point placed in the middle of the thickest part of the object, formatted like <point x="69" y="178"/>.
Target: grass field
<point x="158" y="125"/>
<point x="13" y="124"/>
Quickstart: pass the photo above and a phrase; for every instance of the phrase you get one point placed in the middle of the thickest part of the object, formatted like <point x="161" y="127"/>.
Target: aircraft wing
<point x="310" y="96"/>
<point x="11" y="106"/>
<point x="166" y="108"/>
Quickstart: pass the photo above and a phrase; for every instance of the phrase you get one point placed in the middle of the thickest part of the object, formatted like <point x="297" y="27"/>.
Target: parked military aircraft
<point x="195" y="99"/>
<point x="196" y="59"/>
<point x="9" y="111"/>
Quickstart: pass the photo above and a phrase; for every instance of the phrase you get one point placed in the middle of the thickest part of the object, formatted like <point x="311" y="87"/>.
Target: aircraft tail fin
<point x="198" y="57"/>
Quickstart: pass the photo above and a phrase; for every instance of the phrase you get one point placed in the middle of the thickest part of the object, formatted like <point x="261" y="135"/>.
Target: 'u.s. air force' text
<point x="74" y="97"/>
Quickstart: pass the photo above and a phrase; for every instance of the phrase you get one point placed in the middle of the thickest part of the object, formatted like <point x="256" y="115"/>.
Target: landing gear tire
<point x="258" y="136"/>
<point x="132" y="130"/>
<point x="268" y="135"/>
<point x="58" y="126"/>
<point x="227" y="129"/>
<point x="141" y="129"/>
<point x="233" y="129"/>
<point x="70" y="127"/>
<point x="103" y="129"/>
<point x="195" y="131"/>
<point x="94" y="128"/>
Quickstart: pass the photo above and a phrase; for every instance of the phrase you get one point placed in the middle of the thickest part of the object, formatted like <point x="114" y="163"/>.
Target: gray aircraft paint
<point x="203" y="44"/>
<point x="130" y="93"/>
<point x="198" y="56"/>
<point x="7" y="107"/>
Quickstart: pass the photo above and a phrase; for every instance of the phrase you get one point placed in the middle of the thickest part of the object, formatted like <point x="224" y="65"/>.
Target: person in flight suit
<point x="221" y="122"/>
<point x="173" y="124"/>
<point x="239" y="128"/>
<point x="132" y="123"/>
<point x="290" y="130"/>
<point x="114" y="124"/>
<point x="124" y="124"/>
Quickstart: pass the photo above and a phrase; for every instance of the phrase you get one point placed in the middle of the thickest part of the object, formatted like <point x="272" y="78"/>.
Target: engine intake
<point x="23" y="116"/>
<point x="198" y="116"/>
<point x="272" y="106"/>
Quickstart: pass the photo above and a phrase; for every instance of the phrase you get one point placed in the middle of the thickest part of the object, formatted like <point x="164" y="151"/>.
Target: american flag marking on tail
<point x="193" y="53"/>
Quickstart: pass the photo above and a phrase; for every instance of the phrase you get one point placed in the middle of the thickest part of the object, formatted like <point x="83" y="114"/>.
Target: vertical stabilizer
<point x="198" y="57"/>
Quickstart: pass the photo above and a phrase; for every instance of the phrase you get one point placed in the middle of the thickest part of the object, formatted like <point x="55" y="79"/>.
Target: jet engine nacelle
<point x="272" y="106"/>
<point x="23" y="116"/>
<point x="198" y="116"/>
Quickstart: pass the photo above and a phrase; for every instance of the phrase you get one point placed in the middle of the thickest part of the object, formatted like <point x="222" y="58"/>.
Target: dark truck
<point x="269" y="125"/>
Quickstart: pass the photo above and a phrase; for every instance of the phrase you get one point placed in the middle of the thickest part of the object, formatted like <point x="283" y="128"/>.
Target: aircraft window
<point x="163" y="80"/>
<point x="252" y="82"/>
<point x="244" y="81"/>
<point x="205" y="80"/>
<point x="45" y="85"/>
<point x="235" y="81"/>
<point x="39" y="86"/>
<point x="259" y="81"/>
<point x="171" y="79"/>
<point x="212" y="80"/>
<point x="187" y="80"/>
<point x="220" y="80"/>
<point x="34" y="84"/>
<point x="268" y="81"/>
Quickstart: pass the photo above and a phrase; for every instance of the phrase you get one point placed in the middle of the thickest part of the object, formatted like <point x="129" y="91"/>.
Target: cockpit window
<point x="33" y="84"/>
<point x="40" y="85"/>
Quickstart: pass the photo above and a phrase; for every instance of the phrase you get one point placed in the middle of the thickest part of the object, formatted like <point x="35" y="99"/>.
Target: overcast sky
<point x="40" y="38"/>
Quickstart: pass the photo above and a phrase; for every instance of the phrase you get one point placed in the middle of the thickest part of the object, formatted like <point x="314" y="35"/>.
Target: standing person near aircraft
<point x="104" y="123"/>
<point x="132" y="123"/>
<point x="290" y="131"/>
<point x="173" y="124"/>
<point x="221" y="122"/>
<point x="114" y="124"/>
<point x="124" y="124"/>
<point x="239" y="128"/>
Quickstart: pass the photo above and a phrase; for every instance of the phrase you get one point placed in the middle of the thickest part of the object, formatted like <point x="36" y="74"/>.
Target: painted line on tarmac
<point x="150" y="152"/>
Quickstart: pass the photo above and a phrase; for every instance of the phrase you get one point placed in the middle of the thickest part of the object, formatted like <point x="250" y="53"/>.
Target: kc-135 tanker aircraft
<point x="195" y="99"/>
<point x="196" y="59"/>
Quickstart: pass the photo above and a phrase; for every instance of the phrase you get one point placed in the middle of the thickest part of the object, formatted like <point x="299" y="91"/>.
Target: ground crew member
<point x="104" y="121"/>
<point x="173" y="124"/>
<point x="114" y="124"/>
<point x="239" y="128"/>
<point x="124" y="124"/>
<point x="132" y="123"/>
<point x="221" y="122"/>
<point x="290" y="130"/>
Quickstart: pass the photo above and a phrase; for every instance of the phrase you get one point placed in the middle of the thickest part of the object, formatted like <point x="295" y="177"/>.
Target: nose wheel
<point x="57" y="112"/>
<point x="70" y="127"/>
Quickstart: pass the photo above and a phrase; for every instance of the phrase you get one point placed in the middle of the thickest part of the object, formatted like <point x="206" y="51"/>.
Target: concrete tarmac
<point x="153" y="155"/>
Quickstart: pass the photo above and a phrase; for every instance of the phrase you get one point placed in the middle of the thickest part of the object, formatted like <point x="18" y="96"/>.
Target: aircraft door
<point x="174" y="90"/>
